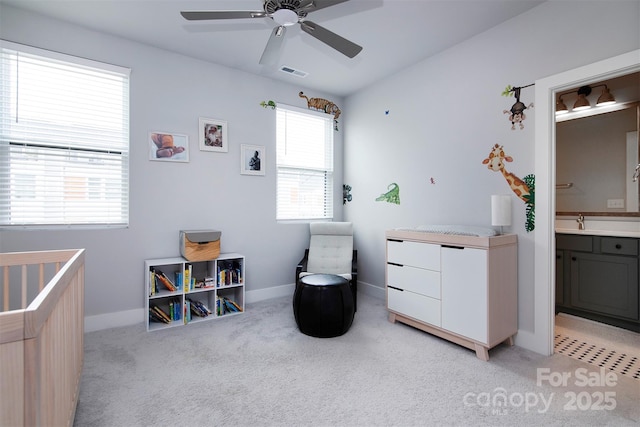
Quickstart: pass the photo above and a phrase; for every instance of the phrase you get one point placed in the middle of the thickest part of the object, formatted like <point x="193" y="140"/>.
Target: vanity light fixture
<point x="582" y="103"/>
<point x="605" y="98"/>
<point x="561" y="107"/>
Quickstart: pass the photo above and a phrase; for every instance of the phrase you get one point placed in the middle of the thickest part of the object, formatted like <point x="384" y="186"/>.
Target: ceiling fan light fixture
<point x="285" y="17"/>
<point x="285" y="13"/>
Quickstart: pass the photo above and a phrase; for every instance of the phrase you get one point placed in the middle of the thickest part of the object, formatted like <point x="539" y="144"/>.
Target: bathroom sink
<point x="599" y="227"/>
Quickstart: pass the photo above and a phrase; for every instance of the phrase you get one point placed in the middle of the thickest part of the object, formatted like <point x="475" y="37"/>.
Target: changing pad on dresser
<point x="459" y="230"/>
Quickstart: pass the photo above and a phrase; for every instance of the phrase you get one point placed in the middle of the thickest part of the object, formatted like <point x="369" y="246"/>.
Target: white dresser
<point x="460" y="288"/>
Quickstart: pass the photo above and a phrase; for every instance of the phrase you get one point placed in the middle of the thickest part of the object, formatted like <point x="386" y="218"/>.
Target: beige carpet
<point x="257" y="369"/>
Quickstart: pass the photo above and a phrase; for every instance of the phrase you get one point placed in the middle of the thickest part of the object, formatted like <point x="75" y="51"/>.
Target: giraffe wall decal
<point x="523" y="188"/>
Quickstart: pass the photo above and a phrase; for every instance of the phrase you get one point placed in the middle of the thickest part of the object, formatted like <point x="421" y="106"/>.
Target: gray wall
<point x="446" y="113"/>
<point x="170" y="92"/>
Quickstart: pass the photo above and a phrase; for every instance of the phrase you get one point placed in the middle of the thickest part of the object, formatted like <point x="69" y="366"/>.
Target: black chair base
<point x="323" y="305"/>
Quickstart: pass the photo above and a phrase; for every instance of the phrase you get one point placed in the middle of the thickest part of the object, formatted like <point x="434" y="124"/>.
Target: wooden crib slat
<point x="41" y="346"/>
<point x="41" y="281"/>
<point x="24" y="286"/>
<point x="6" y="289"/>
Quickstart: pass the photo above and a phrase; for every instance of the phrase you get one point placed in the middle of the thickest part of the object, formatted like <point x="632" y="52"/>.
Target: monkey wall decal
<point x="516" y="113"/>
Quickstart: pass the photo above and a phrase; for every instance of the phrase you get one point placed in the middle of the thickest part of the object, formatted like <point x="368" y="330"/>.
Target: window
<point x="64" y="140"/>
<point x="305" y="164"/>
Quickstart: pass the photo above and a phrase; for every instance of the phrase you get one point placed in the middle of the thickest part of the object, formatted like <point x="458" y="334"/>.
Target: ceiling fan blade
<point x="319" y="4"/>
<point x="204" y="15"/>
<point x="330" y="38"/>
<point x="272" y="49"/>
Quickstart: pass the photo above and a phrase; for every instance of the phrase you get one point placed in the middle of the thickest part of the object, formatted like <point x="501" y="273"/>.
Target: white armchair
<point x="331" y="252"/>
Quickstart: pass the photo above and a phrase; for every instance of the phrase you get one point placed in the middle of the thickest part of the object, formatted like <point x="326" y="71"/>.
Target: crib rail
<point x="41" y="343"/>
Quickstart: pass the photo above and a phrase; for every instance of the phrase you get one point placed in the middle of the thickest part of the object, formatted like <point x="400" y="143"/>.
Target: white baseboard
<point x="269" y="293"/>
<point x="371" y="290"/>
<point x="530" y="341"/>
<point x="113" y="320"/>
<point x="99" y="322"/>
<point x="135" y="316"/>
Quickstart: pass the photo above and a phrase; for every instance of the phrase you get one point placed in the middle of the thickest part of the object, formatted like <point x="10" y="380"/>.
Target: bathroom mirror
<point x="598" y="149"/>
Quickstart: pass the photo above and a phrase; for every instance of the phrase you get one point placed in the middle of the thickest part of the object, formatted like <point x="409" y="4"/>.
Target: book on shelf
<point x="187" y="311"/>
<point x="238" y="308"/>
<point x="159" y="276"/>
<point x="229" y="273"/>
<point x="157" y="314"/>
<point x="179" y="279"/>
<point x="175" y="309"/>
<point x="188" y="272"/>
<point x="152" y="282"/>
<point x="198" y="308"/>
<point x="225" y="306"/>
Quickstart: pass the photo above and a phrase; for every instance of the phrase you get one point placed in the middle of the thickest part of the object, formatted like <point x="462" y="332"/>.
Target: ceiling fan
<point x="285" y="13"/>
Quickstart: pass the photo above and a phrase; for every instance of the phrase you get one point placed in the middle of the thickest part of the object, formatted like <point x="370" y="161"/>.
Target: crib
<point x="41" y="337"/>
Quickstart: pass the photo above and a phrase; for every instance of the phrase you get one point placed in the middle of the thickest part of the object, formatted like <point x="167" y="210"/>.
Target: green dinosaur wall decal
<point x="391" y="196"/>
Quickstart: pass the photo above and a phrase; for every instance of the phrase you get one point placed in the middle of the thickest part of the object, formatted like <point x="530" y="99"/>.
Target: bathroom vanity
<point x="597" y="277"/>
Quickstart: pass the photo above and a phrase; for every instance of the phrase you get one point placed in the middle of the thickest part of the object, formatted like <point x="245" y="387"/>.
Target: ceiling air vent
<point x="293" y="71"/>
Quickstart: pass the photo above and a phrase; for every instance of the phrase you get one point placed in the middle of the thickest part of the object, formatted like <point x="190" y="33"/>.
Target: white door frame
<point x="541" y="340"/>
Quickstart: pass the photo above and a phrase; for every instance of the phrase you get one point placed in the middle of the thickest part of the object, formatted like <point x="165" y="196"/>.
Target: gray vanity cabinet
<point x="606" y="284"/>
<point x="559" y="277"/>
<point x="597" y="278"/>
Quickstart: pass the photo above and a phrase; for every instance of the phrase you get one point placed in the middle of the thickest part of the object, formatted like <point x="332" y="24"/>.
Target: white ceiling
<point x="394" y="34"/>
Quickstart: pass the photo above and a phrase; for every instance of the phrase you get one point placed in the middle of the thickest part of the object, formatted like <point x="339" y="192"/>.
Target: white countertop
<point x="600" y="227"/>
<point x="613" y="233"/>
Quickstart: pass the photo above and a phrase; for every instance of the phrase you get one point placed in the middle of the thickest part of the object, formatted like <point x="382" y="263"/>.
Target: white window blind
<point x="305" y="164"/>
<point x="64" y="140"/>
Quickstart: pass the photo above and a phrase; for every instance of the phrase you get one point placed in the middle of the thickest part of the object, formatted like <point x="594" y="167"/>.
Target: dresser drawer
<point x="410" y="304"/>
<point x="619" y="246"/>
<point x="418" y="280"/>
<point x="423" y="255"/>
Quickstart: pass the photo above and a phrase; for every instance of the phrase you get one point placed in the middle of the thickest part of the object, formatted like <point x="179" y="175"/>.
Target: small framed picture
<point x="252" y="159"/>
<point x="168" y="147"/>
<point x="212" y="134"/>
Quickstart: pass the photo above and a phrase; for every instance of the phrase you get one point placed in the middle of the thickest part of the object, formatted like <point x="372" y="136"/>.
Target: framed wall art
<point x="168" y="147"/>
<point x="252" y="159"/>
<point x="212" y="134"/>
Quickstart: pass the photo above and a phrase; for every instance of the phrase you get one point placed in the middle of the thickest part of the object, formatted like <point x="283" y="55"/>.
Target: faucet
<point x="580" y="222"/>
